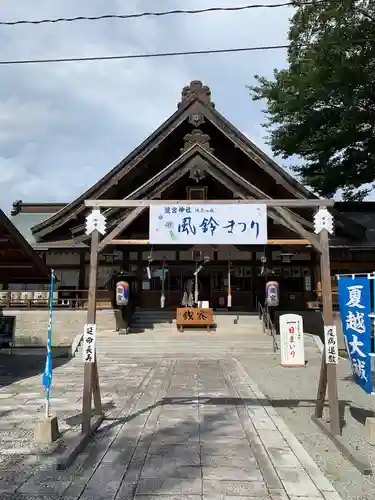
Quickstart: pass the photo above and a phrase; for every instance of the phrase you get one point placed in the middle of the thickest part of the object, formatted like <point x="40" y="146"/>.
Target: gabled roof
<point x="19" y="261"/>
<point x="195" y="100"/>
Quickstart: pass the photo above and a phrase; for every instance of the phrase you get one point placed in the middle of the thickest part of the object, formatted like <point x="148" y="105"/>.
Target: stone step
<point x="219" y="320"/>
<point x="227" y="326"/>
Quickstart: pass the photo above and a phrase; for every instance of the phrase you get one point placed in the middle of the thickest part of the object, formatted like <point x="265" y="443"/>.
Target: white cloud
<point x="63" y="126"/>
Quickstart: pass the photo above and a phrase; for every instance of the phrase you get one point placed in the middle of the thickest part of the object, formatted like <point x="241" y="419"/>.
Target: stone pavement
<point x="177" y="428"/>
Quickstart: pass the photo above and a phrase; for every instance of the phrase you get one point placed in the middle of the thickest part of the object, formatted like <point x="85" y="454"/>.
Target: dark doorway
<point x="204" y="284"/>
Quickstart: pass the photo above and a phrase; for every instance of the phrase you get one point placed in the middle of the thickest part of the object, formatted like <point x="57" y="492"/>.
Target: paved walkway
<point x="177" y="429"/>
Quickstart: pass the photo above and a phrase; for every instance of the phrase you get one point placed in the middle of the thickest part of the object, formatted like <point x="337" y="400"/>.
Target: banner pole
<point x="47" y="375"/>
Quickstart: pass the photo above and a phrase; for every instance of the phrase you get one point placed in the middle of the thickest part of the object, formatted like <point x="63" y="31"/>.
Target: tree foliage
<point x="322" y="107"/>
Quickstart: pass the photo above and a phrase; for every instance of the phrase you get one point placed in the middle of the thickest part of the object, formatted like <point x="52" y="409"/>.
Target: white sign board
<point x="331" y="345"/>
<point x="291" y="340"/>
<point x="208" y="224"/>
<point x="89" y="341"/>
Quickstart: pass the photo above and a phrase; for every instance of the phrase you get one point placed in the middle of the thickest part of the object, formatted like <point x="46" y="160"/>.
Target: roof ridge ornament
<point x="196" y="89"/>
<point x="16" y="207"/>
<point x="196" y="136"/>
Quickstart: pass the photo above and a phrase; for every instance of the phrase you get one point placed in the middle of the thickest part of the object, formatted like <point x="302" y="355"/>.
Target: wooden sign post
<point x="95" y="224"/>
<point x="91" y="378"/>
<point x="328" y="373"/>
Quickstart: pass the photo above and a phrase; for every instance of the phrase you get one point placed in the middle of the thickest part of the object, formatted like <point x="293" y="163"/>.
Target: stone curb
<point x="316" y="475"/>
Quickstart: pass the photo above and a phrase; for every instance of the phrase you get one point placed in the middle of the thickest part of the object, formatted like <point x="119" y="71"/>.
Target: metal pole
<point x="47" y="375"/>
<point x="229" y="302"/>
<point x="162" y="298"/>
<point x="196" y="291"/>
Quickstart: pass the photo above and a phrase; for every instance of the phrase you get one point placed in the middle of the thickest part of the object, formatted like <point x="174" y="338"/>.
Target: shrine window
<point x="197" y="193"/>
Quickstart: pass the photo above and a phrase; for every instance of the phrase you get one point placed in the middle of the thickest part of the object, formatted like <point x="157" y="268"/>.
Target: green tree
<point x="322" y="107"/>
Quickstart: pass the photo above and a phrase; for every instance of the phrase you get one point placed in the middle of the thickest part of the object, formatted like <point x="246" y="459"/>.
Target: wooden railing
<point x="72" y="299"/>
<point x="268" y="326"/>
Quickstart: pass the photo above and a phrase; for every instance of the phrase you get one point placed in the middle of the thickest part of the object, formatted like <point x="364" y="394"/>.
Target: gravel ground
<point x="292" y="391"/>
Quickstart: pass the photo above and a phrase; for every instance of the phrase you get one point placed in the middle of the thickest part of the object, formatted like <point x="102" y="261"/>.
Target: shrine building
<point x="196" y="154"/>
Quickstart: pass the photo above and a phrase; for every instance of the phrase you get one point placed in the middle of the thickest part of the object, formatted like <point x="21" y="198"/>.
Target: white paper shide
<point x="323" y="220"/>
<point x="331" y="345"/>
<point x="292" y="344"/>
<point x="89" y="340"/>
<point x="96" y="220"/>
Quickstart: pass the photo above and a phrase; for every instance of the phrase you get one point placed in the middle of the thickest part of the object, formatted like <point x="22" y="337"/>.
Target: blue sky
<point x="63" y="126"/>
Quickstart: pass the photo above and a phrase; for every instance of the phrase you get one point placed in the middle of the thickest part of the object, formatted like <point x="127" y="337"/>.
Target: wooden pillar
<point x="317" y="278"/>
<point x="254" y="278"/>
<point x="141" y="301"/>
<point x="91" y="377"/>
<point x="125" y="259"/>
<point x="328" y="373"/>
<point x="81" y="277"/>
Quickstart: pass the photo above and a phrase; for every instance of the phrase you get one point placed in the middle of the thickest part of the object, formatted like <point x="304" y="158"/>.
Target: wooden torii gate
<point x="320" y="241"/>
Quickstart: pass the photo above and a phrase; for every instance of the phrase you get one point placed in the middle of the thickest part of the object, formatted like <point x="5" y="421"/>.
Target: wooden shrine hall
<point x="19" y="262"/>
<point x="196" y="154"/>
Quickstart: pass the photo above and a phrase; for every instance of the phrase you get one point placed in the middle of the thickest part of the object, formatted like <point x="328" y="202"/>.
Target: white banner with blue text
<point x="208" y="224"/>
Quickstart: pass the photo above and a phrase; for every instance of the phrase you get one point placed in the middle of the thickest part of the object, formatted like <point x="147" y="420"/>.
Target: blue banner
<point x="355" y="309"/>
<point x="47" y="374"/>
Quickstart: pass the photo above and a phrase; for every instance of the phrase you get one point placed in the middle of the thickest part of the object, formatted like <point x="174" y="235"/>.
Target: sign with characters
<point x="292" y="345"/>
<point x="331" y="345"/>
<point x="208" y="224"/>
<point x="122" y="293"/>
<point x="272" y="294"/>
<point x="355" y="310"/>
<point x="89" y="342"/>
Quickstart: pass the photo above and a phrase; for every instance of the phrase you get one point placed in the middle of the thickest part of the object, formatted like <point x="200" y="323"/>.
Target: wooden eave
<point x="41" y="272"/>
<point x="71" y="211"/>
<point x="239" y="140"/>
<point x="281" y="176"/>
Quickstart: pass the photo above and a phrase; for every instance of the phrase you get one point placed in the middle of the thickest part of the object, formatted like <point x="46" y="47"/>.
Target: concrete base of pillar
<point x="370" y="430"/>
<point x="47" y="430"/>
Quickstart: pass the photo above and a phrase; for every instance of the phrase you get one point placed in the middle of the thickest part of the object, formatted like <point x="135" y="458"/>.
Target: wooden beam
<point x="239" y="191"/>
<point x="129" y="242"/>
<point x="15" y="265"/>
<point x="352" y="266"/>
<point x="269" y="242"/>
<point x="165" y="185"/>
<point x="288" y="242"/>
<point x="255" y="191"/>
<point x="121" y="226"/>
<point x="304" y="233"/>
<point x="268" y="202"/>
<point x="176" y="164"/>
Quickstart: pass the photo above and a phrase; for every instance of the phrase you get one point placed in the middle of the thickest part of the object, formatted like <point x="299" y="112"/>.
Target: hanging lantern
<point x="122" y="293"/>
<point x="272" y="293"/>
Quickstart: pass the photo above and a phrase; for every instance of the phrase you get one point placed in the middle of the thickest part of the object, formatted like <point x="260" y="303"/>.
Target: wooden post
<point x="91" y="377"/>
<point x="328" y="373"/>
